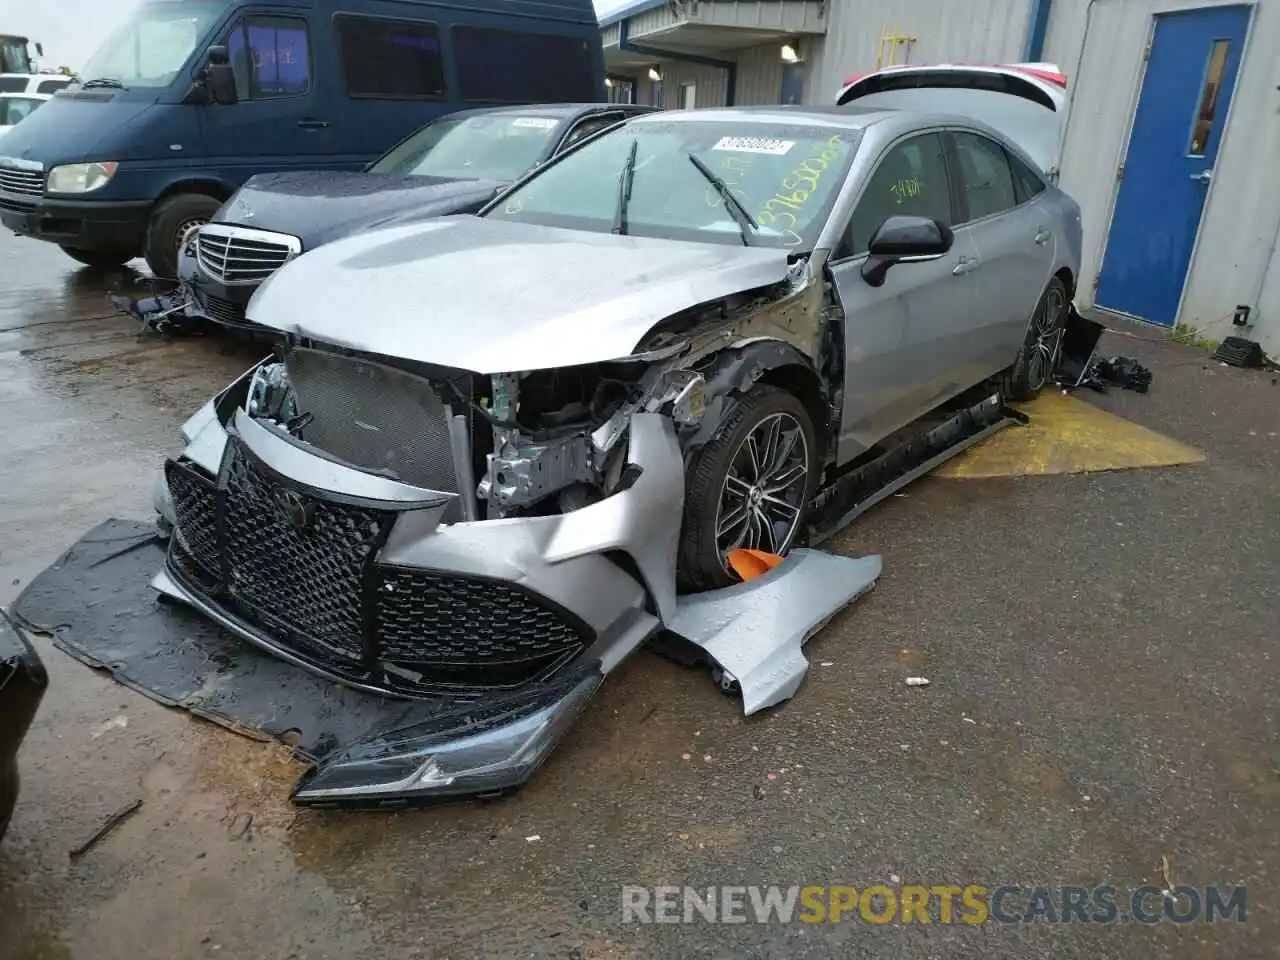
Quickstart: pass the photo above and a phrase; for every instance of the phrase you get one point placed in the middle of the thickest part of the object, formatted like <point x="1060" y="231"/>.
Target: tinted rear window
<point x="51" y="86"/>
<point x="503" y="66"/>
<point x="393" y="59"/>
<point x="13" y="84"/>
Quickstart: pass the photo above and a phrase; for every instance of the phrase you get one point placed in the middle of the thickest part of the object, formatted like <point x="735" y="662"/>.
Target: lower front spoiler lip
<point x="484" y="750"/>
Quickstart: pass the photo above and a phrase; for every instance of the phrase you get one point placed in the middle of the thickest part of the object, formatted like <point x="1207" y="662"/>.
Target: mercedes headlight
<point x="81" y="177"/>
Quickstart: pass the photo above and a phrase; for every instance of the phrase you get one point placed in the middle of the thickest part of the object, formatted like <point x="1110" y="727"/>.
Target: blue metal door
<point x="1177" y="130"/>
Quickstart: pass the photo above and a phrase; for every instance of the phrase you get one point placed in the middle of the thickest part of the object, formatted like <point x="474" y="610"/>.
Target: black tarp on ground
<point x="97" y="604"/>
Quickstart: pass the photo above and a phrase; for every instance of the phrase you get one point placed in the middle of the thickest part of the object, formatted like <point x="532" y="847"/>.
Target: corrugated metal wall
<point x="1234" y="261"/>
<point x="973" y="31"/>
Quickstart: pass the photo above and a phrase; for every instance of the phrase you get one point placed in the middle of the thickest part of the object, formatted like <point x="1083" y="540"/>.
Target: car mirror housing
<point x="905" y="239"/>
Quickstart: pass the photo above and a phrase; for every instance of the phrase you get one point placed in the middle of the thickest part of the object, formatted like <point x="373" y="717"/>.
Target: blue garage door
<point x="1177" y="130"/>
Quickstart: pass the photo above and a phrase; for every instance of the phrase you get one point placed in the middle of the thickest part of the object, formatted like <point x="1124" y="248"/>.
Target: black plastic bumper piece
<point x="108" y="226"/>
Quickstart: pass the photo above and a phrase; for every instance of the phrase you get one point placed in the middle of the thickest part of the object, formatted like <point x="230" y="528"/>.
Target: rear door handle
<point x="310" y="124"/>
<point x="1043" y="237"/>
<point x="965" y="265"/>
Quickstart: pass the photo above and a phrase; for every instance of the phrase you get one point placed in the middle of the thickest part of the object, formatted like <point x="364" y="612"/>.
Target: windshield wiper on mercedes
<point x="625" y="180"/>
<point x="731" y="202"/>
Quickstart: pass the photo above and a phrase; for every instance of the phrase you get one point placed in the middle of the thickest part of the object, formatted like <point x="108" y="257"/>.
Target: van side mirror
<point x="218" y="77"/>
<point x="905" y="240"/>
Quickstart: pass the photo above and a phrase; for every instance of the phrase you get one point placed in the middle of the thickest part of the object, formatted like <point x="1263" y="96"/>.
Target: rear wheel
<point x="748" y="486"/>
<point x="1033" y="369"/>
<point x="99" y="259"/>
<point x="171" y="221"/>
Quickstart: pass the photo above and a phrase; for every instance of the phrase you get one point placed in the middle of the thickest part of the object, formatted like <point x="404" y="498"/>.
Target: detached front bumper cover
<point x="484" y="750"/>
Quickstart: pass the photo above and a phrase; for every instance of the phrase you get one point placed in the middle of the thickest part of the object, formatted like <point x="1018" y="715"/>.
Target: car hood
<point x="495" y="296"/>
<point x="317" y="207"/>
<point x="68" y="129"/>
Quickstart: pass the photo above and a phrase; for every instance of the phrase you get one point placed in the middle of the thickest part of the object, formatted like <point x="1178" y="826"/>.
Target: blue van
<point x="192" y="97"/>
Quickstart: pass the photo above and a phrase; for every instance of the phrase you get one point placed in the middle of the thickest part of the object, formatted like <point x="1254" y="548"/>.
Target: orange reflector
<point x="749" y="564"/>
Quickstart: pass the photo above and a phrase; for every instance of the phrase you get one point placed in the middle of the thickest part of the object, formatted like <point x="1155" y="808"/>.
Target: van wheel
<point x="172" y="219"/>
<point x="748" y="486"/>
<point x="98" y="259"/>
<point x="1033" y="369"/>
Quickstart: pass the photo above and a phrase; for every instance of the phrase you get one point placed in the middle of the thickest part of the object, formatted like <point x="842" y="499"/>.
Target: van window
<point x="51" y="86"/>
<point x="506" y="66"/>
<point x="13" y="84"/>
<point x="270" y="57"/>
<point x="393" y="59"/>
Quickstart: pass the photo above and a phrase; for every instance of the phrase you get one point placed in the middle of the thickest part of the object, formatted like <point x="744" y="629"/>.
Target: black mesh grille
<point x="446" y="627"/>
<point x="296" y="564"/>
<point x="195" y="502"/>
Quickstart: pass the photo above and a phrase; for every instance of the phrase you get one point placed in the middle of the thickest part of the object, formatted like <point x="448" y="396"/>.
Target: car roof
<point x="559" y="111"/>
<point x="816" y="115"/>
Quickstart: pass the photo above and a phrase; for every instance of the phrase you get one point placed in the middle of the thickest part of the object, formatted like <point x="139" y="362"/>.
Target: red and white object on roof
<point x="1024" y="101"/>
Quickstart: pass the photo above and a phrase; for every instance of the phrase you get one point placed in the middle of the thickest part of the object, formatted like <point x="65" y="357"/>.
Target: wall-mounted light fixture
<point x="790" y="51"/>
<point x="655" y="74"/>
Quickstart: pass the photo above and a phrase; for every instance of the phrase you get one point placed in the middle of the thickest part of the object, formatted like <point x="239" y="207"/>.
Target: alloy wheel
<point x="1046" y="336"/>
<point x="762" y="497"/>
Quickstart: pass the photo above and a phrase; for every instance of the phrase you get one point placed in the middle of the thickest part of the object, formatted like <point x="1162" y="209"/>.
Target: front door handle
<point x="310" y="124"/>
<point x="965" y="265"/>
<point x="1043" y="237"/>
<point x="1204" y="176"/>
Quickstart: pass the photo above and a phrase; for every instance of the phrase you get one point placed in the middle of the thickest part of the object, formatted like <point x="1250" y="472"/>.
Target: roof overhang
<point x="634" y="36"/>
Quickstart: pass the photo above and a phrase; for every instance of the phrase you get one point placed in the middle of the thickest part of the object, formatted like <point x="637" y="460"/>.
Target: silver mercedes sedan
<point x="497" y="452"/>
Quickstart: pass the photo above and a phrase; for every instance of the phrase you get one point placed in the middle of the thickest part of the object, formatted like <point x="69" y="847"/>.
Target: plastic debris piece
<point x="749" y="564"/>
<point x="917" y="681"/>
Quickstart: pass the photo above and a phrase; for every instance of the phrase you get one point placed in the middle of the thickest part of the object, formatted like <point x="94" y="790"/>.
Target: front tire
<point x="172" y="219"/>
<point x="98" y="259"/>
<point x="1033" y="369"/>
<point x="748" y="486"/>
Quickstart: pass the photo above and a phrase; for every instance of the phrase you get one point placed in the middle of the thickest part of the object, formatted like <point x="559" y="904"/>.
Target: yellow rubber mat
<point x="1067" y="435"/>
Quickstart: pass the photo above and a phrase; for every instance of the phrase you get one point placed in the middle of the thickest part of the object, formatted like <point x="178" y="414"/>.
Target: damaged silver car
<point x="496" y="453"/>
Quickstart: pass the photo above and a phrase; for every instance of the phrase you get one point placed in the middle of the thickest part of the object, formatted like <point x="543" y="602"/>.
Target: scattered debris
<point x="113" y="821"/>
<point x="1165" y="875"/>
<point x="917" y="681"/>
<point x="533" y="838"/>
<point x="115" y="723"/>
<point x="968" y="720"/>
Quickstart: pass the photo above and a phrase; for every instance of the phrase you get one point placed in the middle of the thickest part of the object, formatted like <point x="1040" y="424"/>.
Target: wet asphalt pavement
<point x="1102" y="651"/>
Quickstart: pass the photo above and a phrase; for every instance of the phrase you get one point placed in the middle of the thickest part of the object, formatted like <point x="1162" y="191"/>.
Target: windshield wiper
<point x="731" y="202"/>
<point x="624" y="188"/>
<point x="110" y="82"/>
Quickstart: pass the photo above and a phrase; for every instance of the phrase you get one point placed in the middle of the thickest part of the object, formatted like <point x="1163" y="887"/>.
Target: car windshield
<point x="784" y="176"/>
<point x="153" y="44"/>
<point x="494" y="146"/>
<point x="13" y="109"/>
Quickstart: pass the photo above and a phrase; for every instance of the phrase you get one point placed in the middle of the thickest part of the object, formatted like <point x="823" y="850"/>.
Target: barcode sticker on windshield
<point x="541" y="123"/>
<point x="775" y="148"/>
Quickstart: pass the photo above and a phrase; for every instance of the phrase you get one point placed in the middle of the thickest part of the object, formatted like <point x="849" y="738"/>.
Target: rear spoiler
<point x="1045" y="72"/>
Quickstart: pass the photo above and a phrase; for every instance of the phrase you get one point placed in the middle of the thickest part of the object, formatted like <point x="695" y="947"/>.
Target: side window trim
<point x="613" y="116"/>
<point x="952" y="186"/>
<point x="440" y="42"/>
<point x="241" y="25"/>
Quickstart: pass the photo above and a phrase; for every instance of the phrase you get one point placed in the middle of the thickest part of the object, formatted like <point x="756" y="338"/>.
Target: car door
<point x="901" y="338"/>
<point x="278" y="122"/>
<point x="1016" y="250"/>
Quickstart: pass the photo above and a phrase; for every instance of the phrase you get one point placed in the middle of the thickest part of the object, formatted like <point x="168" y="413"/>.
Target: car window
<point x="484" y="146"/>
<point x="51" y="86"/>
<point x="521" y="66"/>
<point x="1025" y="179"/>
<point x="785" y="176"/>
<point x="13" y="109"/>
<point x="986" y="181"/>
<point x="587" y="127"/>
<point x="270" y="57"/>
<point x="391" y="59"/>
<point x="910" y="180"/>
<point x="13" y="84"/>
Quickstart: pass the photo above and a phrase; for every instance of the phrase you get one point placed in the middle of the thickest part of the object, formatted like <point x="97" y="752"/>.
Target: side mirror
<point x="905" y="240"/>
<point x="218" y="77"/>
